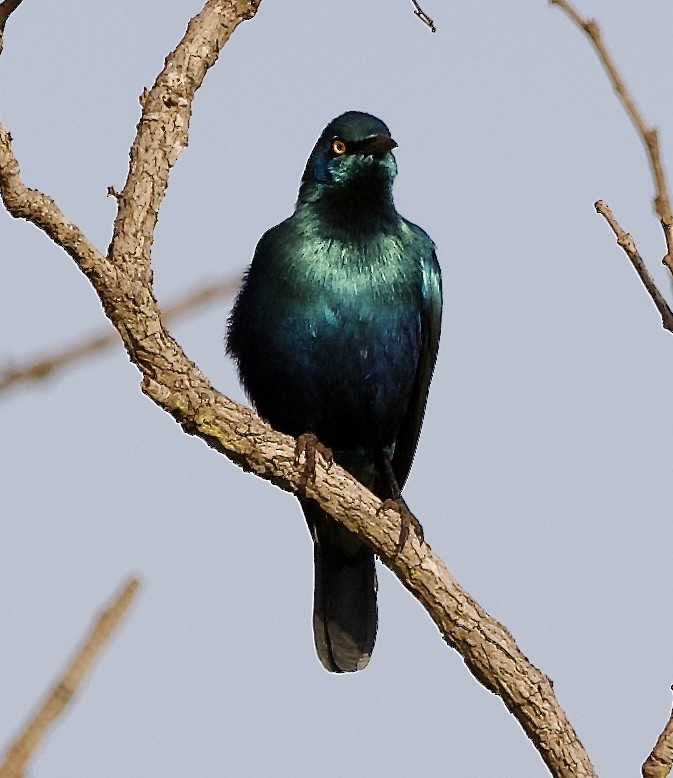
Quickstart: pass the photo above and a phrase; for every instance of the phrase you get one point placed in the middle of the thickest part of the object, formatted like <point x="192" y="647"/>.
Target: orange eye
<point x="338" y="147"/>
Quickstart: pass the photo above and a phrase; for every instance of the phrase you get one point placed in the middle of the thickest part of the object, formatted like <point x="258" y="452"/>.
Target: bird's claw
<point x="309" y="445"/>
<point x="409" y="521"/>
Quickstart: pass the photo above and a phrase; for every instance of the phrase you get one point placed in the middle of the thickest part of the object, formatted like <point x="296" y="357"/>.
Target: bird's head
<point x="353" y="152"/>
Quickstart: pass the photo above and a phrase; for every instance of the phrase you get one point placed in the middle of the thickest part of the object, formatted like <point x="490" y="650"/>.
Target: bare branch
<point x="163" y="129"/>
<point x="123" y="283"/>
<point x="625" y="240"/>
<point x="649" y="136"/>
<point x="658" y="764"/>
<point x="179" y="387"/>
<point x="418" y="11"/>
<point x="660" y="761"/>
<point x="41" y="210"/>
<point x="69" y="683"/>
<point x="40" y="368"/>
<point x="7" y="8"/>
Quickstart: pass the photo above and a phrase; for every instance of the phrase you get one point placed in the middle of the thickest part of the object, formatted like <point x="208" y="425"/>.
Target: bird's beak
<point x="377" y="144"/>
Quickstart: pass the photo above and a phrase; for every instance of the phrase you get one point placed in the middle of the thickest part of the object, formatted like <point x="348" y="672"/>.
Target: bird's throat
<point x="360" y="206"/>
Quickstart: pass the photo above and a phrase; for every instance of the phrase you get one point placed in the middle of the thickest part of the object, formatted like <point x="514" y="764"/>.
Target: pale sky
<point x="543" y="473"/>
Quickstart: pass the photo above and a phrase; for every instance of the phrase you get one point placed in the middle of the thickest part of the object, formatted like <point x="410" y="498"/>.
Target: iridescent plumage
<point x="335" y="331"/>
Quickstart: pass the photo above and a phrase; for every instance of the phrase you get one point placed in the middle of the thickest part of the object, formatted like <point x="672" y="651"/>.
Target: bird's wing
<point x="431" y="320"/>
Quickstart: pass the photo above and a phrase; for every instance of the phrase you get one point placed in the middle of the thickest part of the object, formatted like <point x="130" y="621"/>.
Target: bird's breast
<point x="353" y="320"/>
<point x="327" y="333"/>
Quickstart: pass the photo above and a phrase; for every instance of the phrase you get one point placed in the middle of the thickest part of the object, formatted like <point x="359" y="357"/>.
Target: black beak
<point x="377" y="144"/>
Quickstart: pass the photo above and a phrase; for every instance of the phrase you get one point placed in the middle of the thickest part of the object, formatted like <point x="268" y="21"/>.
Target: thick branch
<point x="7" y="8"/>
<point x="41" y="210"/>
<point x="70" y="682"/>
<point x="659" y="763"/>
<point x="40" y="368"/>
<point x="179" y="387"/>
<point x="649" y="136"/>
<point x="163" y="129"/>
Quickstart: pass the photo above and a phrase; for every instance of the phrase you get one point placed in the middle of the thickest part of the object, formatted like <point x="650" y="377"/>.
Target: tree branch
<point x="625" y="240"/>
<point x="7" y="8"/>
<point x="124" y="284"/>
<point x="660" y="761"/>
<point x="658" y="764"/>
<point x="70" y="682"/>
<point x="40" y="368"/>
<point x="649" y="135"/>
<point x="418" y="11"/>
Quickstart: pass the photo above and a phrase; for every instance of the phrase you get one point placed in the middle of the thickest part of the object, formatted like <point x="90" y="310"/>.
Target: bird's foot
<point x="309" y="445"/>
<point x="409" y="521"/>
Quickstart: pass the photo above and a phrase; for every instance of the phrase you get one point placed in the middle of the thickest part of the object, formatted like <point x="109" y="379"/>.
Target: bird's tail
<point x="344" y="597"/>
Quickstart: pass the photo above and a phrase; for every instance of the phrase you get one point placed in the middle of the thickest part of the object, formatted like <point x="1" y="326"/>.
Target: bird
<point x="335" y="332"/>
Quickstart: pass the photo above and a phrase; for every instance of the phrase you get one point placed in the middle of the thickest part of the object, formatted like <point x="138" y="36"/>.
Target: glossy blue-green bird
<point x="335" y="332"/>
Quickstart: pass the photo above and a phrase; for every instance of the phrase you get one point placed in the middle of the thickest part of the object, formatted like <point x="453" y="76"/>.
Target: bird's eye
<point x="338" y="147"/>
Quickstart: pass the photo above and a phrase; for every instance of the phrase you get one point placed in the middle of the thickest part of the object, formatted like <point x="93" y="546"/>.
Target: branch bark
<point x="658" y="763"/>
<point x="70" y="682"/>
<point x="7" y="8"/>
<point x="123" y="281"/>
<point x="625" y="240"/>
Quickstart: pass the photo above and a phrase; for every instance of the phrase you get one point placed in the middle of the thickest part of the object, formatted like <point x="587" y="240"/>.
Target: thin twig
<point x="625" y="240"/>
<point x="649" y="136"/>
<point x="40" y="368"/>
<point x="418" y="11"/>
<point x="659" y="763"/>
<point x="69" y="683"/>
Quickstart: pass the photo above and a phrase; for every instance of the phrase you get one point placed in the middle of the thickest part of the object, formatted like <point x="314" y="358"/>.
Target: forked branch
<point x="649" y="135"/>
<point x="660" y="761"/>
<point x="123" y="281"/>
<point x="627" y="243"/>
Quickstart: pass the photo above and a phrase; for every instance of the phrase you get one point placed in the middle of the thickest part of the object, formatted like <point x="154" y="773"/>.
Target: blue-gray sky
<point x="543" y="472"/>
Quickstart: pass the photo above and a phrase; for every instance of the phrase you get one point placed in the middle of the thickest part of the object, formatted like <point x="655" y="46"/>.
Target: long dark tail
<point x="344" y="597"/>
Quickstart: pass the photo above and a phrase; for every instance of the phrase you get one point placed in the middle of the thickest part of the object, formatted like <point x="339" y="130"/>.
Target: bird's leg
<point x="397" y="503"/>
<point x="309" y="445"/>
